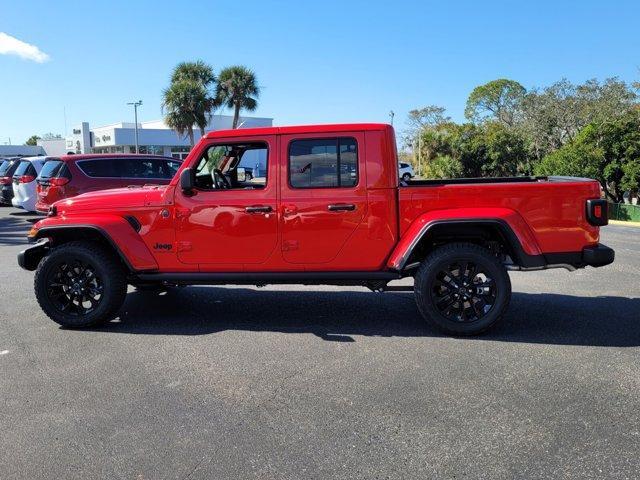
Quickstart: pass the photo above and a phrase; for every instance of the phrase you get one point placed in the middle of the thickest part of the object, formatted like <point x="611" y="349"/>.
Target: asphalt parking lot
<point x="327" y="382"/>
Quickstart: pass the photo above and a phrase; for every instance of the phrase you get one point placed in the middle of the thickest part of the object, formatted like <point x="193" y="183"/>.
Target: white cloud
<point x="12" y="46"/>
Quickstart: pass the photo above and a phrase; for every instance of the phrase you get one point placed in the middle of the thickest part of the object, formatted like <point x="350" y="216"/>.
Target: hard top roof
<point x="329" y="128"/>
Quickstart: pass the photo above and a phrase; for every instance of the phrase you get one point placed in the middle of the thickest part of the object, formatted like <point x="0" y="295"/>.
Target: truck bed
<point x="552" y="209"/>
<point x="475" y="180"/>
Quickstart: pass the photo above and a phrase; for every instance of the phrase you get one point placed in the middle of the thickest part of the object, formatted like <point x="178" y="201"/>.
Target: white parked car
<point x="24" y="183"/>
<point x="406" y="171"/>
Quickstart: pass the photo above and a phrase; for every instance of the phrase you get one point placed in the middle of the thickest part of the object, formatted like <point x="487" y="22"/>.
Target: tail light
<point x="59" y="181"/>
<point x="26" y="179"/>
<point x="597" y="212"/>
<point x="5" y="180"/>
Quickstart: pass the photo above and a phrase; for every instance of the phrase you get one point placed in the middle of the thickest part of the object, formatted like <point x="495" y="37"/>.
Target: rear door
<point x="323" y="192"/>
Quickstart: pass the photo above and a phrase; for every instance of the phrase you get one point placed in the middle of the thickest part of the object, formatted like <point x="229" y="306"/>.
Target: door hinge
<point x="185" y="246"/>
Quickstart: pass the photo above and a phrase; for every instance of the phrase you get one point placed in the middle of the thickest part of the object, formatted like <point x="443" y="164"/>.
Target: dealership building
<point x="154" y="137"/>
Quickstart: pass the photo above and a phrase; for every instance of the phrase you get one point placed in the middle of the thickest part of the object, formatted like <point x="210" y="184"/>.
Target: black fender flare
<point x="520" y="256"/>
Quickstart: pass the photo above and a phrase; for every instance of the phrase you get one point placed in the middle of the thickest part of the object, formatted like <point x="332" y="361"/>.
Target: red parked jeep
<point x="328" y="210"/>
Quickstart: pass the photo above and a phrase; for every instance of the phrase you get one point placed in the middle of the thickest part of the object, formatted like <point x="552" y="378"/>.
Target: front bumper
<point x="30" y="257"/>
<point x="598" y="256"/>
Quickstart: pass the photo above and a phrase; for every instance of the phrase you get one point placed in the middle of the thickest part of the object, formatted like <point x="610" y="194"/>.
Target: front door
<point x="324" y="195"/>
<point x="229" y="220"/>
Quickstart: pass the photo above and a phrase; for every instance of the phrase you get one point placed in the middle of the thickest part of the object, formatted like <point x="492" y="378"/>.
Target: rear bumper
<point x="42" y="207"/>
<point x="7" y="194"/>
<point x="598" y="256"/>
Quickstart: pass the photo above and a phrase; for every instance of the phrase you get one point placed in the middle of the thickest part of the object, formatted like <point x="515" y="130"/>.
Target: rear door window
<point x="98" y="168"/>
<point x="323" y="163"/>
<point x="138" y="168"/>
<point x="148" y="168"/>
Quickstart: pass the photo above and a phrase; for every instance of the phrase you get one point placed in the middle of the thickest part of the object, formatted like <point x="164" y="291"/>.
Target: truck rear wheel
<point x="80" y="284"/>
<point x="462" y="289"/>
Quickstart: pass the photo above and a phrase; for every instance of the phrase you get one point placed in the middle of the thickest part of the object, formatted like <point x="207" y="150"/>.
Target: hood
<point x="115" y="199"/>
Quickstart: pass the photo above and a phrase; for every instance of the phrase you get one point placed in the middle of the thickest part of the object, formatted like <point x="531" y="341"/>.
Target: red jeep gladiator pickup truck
<point x="326" y="207"/>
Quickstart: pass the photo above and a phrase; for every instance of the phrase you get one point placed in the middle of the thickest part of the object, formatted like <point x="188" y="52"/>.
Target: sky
<point x="316" y="62"/>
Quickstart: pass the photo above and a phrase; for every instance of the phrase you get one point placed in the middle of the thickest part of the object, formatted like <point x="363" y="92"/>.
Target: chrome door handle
<point x="341" y="207"/>
<point x="258" y="209"/>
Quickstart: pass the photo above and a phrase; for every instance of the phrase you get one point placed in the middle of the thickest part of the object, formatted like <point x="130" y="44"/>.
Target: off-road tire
<point x="445" y="256"/>
<point x="107" y="268"/>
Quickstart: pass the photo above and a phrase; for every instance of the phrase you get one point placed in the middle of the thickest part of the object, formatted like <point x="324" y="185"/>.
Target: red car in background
<point x="71" y="175"/>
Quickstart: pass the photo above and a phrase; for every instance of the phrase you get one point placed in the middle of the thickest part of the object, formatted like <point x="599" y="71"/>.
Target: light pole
<point x="135" y="113"/>
<point x="391" y="115"/>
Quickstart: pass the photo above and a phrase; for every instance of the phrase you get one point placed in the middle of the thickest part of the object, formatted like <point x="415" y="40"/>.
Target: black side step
<point x="265" y="278"/>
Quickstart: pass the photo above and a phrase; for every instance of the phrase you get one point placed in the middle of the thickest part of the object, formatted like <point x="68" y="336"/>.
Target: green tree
<point x="608" y="152"/>
<point x="444" y="166"/>
<point x="32" y="140"/>
<point x="420" y="119"/>
<point x="237" y="89"/>
<point x="553" y="116"/>
<point x="506" y="151"/>
<point x="498" y="100"/>
<point x="489" y="149"/>
<point x="188" y="100"/>
<point x="197" y="71"/>
<point x="630" y="180"/>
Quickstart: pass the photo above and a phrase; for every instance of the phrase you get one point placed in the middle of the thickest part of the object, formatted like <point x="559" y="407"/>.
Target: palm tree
<point x="237" y="88"/>
<point x="188" y="101"/>
<point x="186" y="104"/>
<point x="198" y="71"/>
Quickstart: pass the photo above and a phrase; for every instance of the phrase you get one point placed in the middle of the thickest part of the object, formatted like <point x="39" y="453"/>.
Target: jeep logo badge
<point x="163" y="246"/>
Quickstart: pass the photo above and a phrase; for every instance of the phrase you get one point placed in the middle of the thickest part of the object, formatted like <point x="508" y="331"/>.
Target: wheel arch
<point x="423" y="236"/>
<point x="62" y="234"/>
<point x="115" y="234"/>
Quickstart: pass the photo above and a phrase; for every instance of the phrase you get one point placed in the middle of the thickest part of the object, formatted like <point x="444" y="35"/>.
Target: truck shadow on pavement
<point x="14" y="228"/>
<point x="343" y="315"/>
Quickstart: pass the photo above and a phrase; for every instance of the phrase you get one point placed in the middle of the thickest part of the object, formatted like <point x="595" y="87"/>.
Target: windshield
<point x="5" y="167"/>
<point x="51" y="168"/>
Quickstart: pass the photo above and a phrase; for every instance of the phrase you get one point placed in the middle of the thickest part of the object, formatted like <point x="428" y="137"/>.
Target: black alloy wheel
<point x="462" y="289"/>
<point x="80" y="284"/>
<point x="74" y="287"/>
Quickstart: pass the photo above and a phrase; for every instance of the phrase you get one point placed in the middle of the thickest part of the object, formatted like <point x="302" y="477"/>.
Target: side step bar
<point x="266" y="278"/>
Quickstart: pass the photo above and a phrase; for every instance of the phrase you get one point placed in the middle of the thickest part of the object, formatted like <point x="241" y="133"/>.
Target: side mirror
<point x="187" y="180"/>
<point x="242" y="174"/>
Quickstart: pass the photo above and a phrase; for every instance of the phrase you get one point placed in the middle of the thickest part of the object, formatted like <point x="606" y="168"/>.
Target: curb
<point x="624" y="223"/>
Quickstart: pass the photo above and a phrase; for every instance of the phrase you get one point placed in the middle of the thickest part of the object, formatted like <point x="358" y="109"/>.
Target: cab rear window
<point x="149" y="168"/>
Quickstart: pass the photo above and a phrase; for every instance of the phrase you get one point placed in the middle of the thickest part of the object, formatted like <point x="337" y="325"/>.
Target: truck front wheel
<point x="462" y="289"/>
<point x="80" y="284"/>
